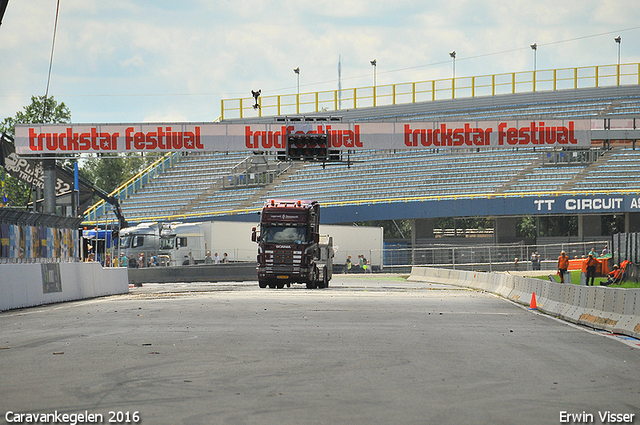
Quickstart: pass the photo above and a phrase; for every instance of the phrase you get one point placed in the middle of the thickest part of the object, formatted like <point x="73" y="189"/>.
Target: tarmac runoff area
<point x="367" y="350"/>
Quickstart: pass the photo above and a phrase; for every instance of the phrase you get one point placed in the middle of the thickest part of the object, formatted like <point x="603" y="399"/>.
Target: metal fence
<point x="486" y="257"/>
<point x="626" y="246"/>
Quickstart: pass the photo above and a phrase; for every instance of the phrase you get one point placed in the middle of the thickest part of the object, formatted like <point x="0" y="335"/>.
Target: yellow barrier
<point x="430" y="90"/>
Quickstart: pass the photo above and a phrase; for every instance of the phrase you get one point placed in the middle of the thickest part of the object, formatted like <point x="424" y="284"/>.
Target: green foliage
<point x="612" y="224"/>
<point x="111" y="170"/>
<point x="39" y="111"/>
<point x="392" y="229"/>
<point x="526" y="227"/>
<point x="18" y="193"/>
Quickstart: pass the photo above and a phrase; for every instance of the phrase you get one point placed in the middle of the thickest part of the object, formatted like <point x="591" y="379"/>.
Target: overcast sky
<point x="160" y="60"/>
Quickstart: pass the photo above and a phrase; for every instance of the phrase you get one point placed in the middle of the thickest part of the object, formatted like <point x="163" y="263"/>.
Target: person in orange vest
<point x="563" y="265"/>
<point x="591" y="268"/>
<point x="623" y="265"/>
<point x="615" y="276"/>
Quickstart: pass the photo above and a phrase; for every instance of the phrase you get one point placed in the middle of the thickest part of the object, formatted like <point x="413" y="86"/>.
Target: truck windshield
<point x="125" y="241"/>
<point x="166" y="243"/>
<point x="283" y="234"/>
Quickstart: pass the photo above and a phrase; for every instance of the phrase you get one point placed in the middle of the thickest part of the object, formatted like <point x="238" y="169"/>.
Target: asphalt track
<point x="368" y="350"/>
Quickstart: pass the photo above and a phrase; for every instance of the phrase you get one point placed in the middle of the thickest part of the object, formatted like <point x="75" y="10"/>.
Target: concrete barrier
<point x="27" y="285"/>
<point x="615" y="310"/>
<point x="234" y="272"/>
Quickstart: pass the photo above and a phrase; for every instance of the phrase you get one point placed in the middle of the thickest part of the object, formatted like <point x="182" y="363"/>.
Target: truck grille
<point x="282" y="256"/>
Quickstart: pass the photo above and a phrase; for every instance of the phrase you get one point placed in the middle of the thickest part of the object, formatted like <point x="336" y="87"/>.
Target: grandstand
<point x="207" y="185"/>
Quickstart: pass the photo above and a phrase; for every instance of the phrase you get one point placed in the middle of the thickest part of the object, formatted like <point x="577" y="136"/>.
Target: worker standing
<point x="591" y="268"/>
<point x="563" y="265"/>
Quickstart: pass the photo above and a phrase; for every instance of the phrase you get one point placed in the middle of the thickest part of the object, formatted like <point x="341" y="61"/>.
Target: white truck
<point x="172" y="242"/>
<point x="178" y="244"/>
<point x="355" y="241"/>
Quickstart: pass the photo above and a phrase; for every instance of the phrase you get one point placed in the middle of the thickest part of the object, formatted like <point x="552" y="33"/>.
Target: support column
<point x="49" y="167"/>
<point x="631" y="222"/>
<point x="505" y="230"/>
<point x="589" y="225"/>
<point x="423" y="228"/>
<point x="420" y="229"/>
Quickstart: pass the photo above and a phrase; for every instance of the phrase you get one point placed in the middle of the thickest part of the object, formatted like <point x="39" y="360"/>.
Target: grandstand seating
<point x="620" y="172"/>
<point x="193" y="185"/>
<point x="377" y="175"/>
<point x="173" y="190"/>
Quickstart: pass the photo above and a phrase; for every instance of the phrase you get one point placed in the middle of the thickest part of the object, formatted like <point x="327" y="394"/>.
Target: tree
<point x="111" y="170"/>
<point x="40" y="110"/>
<point x="526" y="227"/>
<point x="392" y="229"/>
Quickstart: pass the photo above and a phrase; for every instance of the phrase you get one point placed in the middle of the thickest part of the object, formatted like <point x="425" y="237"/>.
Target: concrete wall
<point x="27" y="285"/>
<point x="235" y="272"/>
<point x="612" y="309"/>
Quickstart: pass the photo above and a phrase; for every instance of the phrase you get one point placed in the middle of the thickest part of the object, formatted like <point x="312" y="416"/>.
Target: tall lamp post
<point x="453" y="57"/>
<point x="297" y="71"/>
<point x="534" y="47"/>
<point x="453" y="78"/>
<point x="374" y="64"/>
<point x="618" y="40"/>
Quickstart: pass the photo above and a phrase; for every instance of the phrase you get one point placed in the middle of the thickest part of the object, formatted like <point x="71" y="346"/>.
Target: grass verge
<point x="575" y="279"/>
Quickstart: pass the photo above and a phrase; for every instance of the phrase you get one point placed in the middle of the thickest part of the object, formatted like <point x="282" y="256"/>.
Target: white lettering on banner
<point x="593" y="204"/>
<point x="635" y="203"/>
<point x="85" y="138"/>
<point x="548" y="202"/>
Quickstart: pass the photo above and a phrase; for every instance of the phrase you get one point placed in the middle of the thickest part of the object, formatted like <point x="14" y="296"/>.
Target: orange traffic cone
<point x="533" y="305"/>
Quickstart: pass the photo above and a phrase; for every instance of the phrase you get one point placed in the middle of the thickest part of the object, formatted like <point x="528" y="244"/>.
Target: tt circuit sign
<point x="194" y="137"/>
<point x="496" y="206"/>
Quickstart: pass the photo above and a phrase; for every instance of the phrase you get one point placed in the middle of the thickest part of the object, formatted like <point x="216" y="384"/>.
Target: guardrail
<point x="430" y="90"/>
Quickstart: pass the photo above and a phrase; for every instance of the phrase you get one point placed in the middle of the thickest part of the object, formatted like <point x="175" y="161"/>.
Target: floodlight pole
<point x="453" y="78"/>
<point x="374" y="63"/>
<point x="297" y="71"/>
<point x="534" y="47"/>
<point x="453" y="57"/>
<point x="618" y="40"/>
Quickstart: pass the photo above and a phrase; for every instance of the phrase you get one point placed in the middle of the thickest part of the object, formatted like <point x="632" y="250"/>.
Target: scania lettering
<point x="290" y="247"/>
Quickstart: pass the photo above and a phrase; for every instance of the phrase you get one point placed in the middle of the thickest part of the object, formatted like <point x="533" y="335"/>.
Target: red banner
<point x="194" y="137"/>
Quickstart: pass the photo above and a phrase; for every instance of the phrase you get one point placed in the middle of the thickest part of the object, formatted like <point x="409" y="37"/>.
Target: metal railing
<point x="487" y="257"/>
<point x="430" y="90"/>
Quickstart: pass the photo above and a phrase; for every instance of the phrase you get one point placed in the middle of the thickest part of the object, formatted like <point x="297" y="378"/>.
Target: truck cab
<point x="142" y="238"/>
<point x="181" y="244"/>
<point x="289" y="245"/>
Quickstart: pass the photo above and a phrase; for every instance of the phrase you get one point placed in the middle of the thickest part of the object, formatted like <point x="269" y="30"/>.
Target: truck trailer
<point x="178" y="244"/>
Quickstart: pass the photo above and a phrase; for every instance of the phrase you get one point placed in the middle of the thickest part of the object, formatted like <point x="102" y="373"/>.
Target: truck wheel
<point x="325" y="278"/>
<point x="262" y="283"/>
<point x="279" y="285"/>
<point x="272" y="285"/>
<point x="313" y="279"/>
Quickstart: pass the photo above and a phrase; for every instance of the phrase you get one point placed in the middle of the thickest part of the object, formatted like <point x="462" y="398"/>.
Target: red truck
<point x="290" y="247"/>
